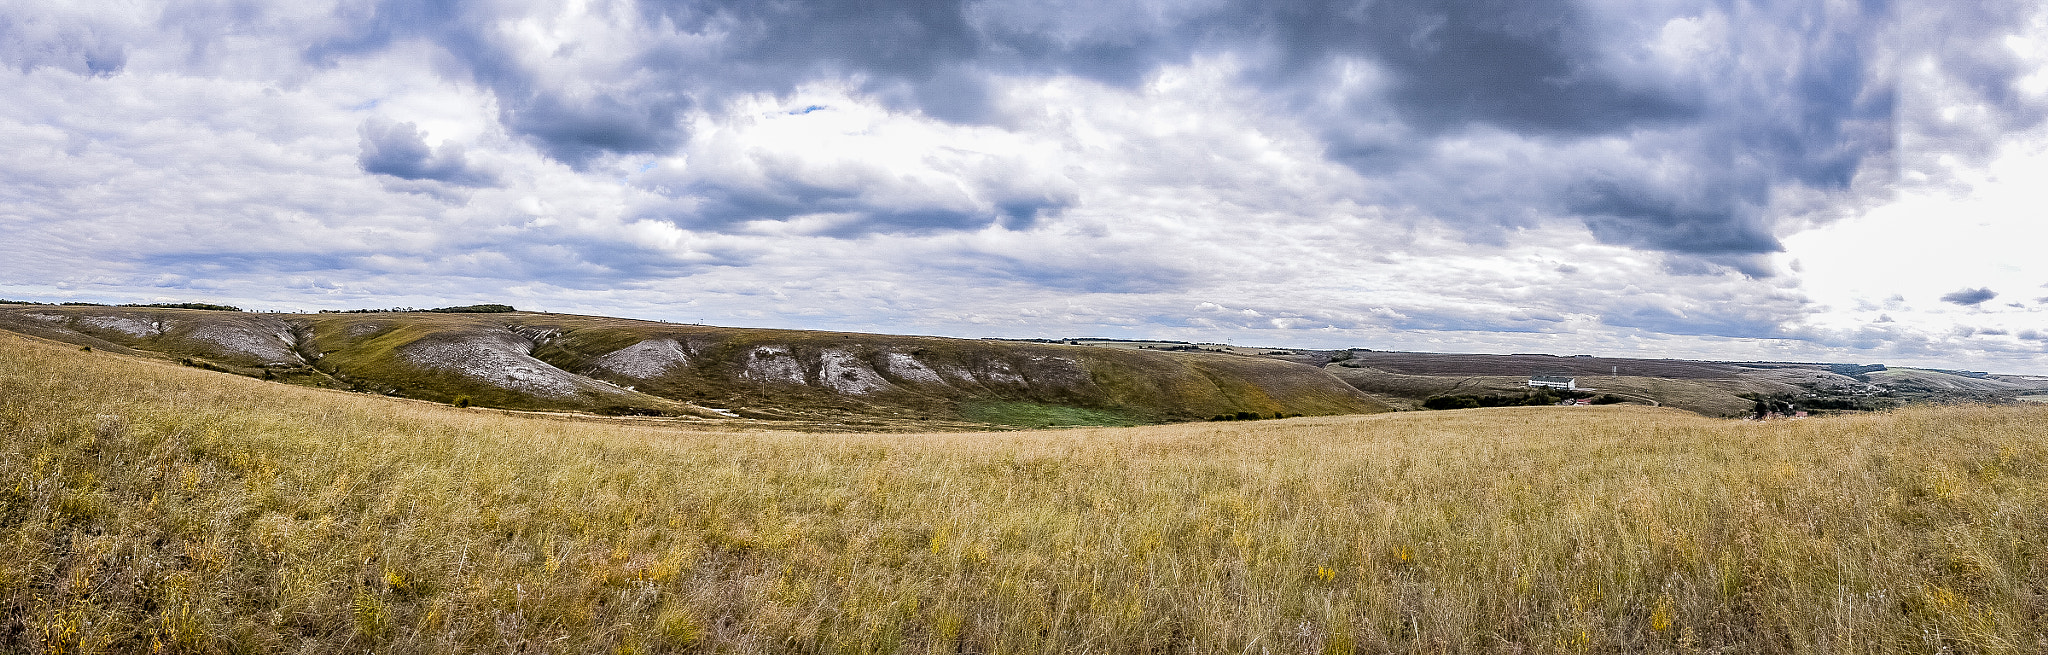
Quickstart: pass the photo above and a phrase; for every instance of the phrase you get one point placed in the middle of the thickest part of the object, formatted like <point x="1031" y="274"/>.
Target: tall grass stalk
<point x="155" y="508"/>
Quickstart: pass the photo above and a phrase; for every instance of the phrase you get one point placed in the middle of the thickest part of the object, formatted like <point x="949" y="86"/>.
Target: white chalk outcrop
<point x="999" y="372"/>
<point x="906" y="367"/>
<point x="843" y="372"/>
<point x="130" y="326"/>
<point x="500" y="360"/>
<point x="271" y="347"/>
<point x="646" y="360"/>
<point x="772" y="364"/>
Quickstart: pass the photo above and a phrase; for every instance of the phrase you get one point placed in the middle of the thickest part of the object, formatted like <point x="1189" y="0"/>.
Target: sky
<point x="1790" y="181"/>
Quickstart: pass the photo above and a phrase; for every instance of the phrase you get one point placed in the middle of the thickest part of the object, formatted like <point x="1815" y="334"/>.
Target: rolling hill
<point x="836" y="381"/>
<point x="1720" y="389"/>
<point x="792" y="378"/>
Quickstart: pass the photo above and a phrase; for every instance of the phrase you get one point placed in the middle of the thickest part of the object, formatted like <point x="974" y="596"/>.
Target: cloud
<point x="575" y="109"/>
<point x="1642" y="215"/>
<point x="1524" y="66"/>
<point x="400" y="150"/>
<point x="1429" y="174"/>
<point x="1724" y="108"/>
<point x="1969" y="296"/>
<point x="578" y="128"/>
<point x="82" y="39"/>
<point x="828" y="163"/>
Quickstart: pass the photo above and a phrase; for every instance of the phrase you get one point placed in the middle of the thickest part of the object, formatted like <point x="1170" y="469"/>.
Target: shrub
<point x="1451" y="402"/>
<point x="461" y="401"/>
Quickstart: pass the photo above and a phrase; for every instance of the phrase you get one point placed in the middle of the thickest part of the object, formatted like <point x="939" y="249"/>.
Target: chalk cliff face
<point x="555" y="362"/>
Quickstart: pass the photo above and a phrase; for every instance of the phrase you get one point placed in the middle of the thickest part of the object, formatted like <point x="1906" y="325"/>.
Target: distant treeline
<point x="188" y="305"/>
<point x="1854" y="370"/>
<point x="1123" y="340"/>
<point x="465" y="309"/>
<point x="168" y="305"/>
<point x="1787" y="404"/>
<point x="1968" y="374"/>
<point x="1540" y="397"/>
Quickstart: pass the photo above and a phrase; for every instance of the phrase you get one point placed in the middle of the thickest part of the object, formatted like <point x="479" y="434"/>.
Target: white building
<point x="1554" y="382"/>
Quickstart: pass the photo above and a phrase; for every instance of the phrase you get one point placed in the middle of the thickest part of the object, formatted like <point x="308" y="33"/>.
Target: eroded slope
<point x="618" y="366"/>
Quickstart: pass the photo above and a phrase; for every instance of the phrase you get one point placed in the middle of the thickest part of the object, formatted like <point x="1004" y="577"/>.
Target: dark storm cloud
<point x="921" y="55"/>
<point x="934" y="56"/>
<point x="1645" y="216"/>
<point x="915" y="52"/>
<point x="576" y="130"/>
<point x="1968" y="297"/>
<point x="1528" y="66"/>
<point x="911" y="39"/>
<point x="569" y="122"/>
<point x="400" y="150"/>
<point x="1784" y="95"/>
<point x="1718" y="143"/>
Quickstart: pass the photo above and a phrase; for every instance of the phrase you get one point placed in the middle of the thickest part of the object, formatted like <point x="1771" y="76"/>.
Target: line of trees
<point x="1538" y="397"/>
<point x="465" y="309"/>
<point x="167" y="305"/>
<point x="487" y="308"/>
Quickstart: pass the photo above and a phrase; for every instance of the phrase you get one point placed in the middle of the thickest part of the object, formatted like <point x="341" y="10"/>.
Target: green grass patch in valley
<point x="1036" y="415"/>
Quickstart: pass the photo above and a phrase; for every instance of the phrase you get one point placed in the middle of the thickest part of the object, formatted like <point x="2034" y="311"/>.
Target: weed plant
<point x="156" y="508"/>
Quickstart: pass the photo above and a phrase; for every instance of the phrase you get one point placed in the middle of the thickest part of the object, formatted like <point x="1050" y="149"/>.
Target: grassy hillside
<point x="1405" y="380"/>
<point x="152" y="507"/>
<point x="1705" y="396"/>
<point x="530" y="361"/>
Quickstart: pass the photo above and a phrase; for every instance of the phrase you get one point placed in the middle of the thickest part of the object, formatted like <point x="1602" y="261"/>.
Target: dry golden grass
<point x="149" y="507"/>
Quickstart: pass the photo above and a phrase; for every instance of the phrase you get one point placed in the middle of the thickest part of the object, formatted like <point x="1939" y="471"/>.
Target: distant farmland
<point x="153" y="507"/>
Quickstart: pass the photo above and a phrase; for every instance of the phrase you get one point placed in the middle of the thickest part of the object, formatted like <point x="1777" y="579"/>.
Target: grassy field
<point x="1036" y="415"/>
<point x="149" y="507"/>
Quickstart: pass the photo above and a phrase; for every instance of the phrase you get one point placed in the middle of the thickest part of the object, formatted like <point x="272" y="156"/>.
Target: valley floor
<point x="151" y="507"/>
